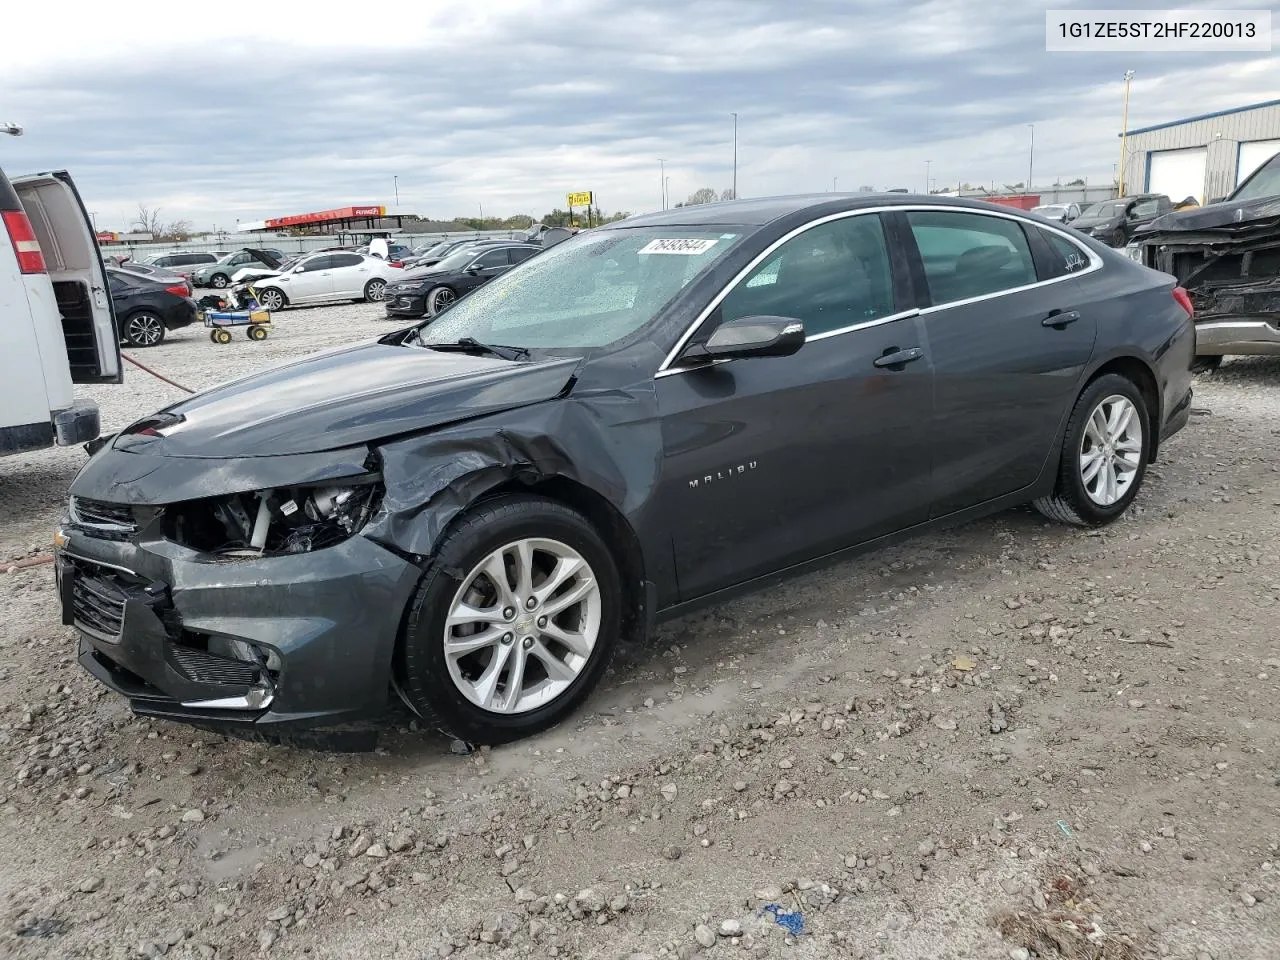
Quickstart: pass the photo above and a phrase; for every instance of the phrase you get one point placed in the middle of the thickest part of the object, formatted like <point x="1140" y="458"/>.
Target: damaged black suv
<point x="1227" y="256"/>
<point x="472" y="511"/>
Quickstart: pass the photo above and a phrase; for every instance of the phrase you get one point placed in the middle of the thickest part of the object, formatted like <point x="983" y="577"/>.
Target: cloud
<point x="512" y="103"/>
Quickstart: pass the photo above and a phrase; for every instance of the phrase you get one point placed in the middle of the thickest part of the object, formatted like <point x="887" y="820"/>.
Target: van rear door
<point x="65" y="233"/>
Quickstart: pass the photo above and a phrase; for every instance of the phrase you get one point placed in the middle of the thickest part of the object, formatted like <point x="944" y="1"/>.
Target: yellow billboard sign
<point x="581" y="199"/>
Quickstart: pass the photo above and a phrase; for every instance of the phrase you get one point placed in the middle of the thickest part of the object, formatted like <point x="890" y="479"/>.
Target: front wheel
<point x="441" y="298"/>
<point x="144" y="330"/>
<point x="373" y="290"/>
<point x="219" y="280"/>
<point x="271" y="299"/>
<point x="1104" y="455"/>
<point x="513" y="624"/>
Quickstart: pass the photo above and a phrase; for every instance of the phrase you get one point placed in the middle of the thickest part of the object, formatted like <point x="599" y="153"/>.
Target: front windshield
<point x="1105" y="210"/>
<point x="1264" y="182"/>
<point x="585" y="292"/>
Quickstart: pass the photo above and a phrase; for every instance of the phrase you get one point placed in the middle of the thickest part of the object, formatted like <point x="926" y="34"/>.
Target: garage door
<point x="1178" y="173"/>
<point x="1253" y="155"/>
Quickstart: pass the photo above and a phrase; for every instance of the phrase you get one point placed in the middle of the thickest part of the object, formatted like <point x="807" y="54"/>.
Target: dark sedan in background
<point x="147" y="308"/>
<point x="644" y="419"/>
<point x="427" y="291"/>
<point x="1113" y="222"/>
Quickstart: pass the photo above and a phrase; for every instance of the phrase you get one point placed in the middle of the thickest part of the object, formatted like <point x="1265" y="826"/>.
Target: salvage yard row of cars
<point x="471" y="511"/>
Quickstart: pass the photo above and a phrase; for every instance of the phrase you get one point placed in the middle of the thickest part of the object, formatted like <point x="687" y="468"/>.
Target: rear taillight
<point x="1184" y="301"/>
<point x="178" y="289"/>
<point x="25" y="244"/>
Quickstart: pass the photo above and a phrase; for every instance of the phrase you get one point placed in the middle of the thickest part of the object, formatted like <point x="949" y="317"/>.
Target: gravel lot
<point x="1005" y="741"/>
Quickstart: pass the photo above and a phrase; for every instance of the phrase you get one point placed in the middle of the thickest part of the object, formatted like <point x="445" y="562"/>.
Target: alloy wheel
<point x="374" y="291"/>
<point x="272" y="299"/>
<point x="441" y="299"/>
<point x="1111" y="450"/>
<point x="522" y="625"/>
<point x="219" y="281"/>
<point x="144" y="330"/>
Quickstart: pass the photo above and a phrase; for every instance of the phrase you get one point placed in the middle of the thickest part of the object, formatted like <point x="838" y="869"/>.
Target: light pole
<point x="1031" y="158"/>
<point x="666" y="191"/>
<point x="1124" y="132"/>
<point x="835" y="184"/>
<point x="662" y="180"/>
<point x="396" y="183"/>
<point x="927" y="165"/>
<point x="735" y="155"/>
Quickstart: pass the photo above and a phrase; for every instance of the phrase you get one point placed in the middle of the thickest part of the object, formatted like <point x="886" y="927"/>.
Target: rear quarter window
<point x="1065" y="257"/>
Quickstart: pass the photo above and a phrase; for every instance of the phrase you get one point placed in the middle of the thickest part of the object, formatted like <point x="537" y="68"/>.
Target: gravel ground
<point x="1009" y="740"/>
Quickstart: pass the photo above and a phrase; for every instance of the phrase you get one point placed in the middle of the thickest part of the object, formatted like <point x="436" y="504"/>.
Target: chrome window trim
<point x="668" y="367"/>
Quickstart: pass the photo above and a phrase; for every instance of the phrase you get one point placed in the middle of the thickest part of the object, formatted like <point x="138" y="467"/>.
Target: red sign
<point x="327" y="216"/>
<point x="106" y="237"/>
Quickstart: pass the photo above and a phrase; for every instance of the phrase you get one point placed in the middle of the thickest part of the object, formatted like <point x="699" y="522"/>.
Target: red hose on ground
<point x="158" y="376"/>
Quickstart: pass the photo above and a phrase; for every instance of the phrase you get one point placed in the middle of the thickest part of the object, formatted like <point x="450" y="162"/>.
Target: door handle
<point x="1059" y="319"/>
<point x="898" y="358"/>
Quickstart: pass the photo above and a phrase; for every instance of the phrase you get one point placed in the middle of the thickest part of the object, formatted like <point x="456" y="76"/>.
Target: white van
<point x="57" y="326"/>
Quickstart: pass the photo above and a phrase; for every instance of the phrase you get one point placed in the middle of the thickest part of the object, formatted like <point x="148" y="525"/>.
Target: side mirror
<point x="751" y="337"/>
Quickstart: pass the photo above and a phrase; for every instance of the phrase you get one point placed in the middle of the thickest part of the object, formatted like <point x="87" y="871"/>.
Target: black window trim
<point x="668" y="366"/>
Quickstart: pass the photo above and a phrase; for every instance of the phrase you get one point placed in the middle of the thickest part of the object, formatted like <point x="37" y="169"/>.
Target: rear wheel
<point x="257" y="333"/>
<point x="144" y="329"/>
<point x="222" y="335"/>
<point x="1104" y="455"/>
<point x="513" y="624"/>
<point x="219" y="280"/>
<point x="373" y="290"/>
<point x="441" y="298"/>
<point x="271" y="299"/>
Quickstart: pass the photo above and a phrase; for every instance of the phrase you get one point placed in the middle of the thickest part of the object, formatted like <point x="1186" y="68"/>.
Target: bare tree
<point x="147" y="220"/>
<point x="703" y="195"/>
<point x="727" y="194"/>
<point x="178" y="230"/>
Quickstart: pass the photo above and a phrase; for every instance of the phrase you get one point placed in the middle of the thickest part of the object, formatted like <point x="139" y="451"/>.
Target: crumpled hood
<point x="345" y="397"/>
<point x="1237" y="214"/>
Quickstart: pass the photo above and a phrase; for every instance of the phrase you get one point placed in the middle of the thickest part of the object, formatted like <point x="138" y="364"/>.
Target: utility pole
<point x="1124" y="132"/>
<point x="927" y="165"/>
<point x="396" y="183"/>
<point x="835" y="184"/>
<point x="735" y="155"/>
<point x="1031" y="159"/>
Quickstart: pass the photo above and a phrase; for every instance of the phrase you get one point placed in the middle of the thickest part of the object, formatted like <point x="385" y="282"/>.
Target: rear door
<point x="348" y="273"/>
<point x="65" y="233"/>
<point x="1009" y="336"/>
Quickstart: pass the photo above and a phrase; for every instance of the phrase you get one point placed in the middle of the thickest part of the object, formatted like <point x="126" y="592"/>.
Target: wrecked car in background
<point x="1227" y="256"/>
<point x="476" y="509"/>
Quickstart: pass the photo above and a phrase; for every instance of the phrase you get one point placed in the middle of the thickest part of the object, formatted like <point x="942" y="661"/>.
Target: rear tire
<point x="1102" y="465"/>
<point x="257" y="333"/>
<point x="144" y="329"/>
<point x="221" y="335"/>
<point x="373" y="290"/>
<point x="445" y="687"/>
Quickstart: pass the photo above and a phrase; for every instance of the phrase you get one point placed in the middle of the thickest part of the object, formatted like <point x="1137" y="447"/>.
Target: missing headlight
<point x="274" y="522"/>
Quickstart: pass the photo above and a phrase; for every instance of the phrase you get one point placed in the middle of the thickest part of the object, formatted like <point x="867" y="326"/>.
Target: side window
<point x="166" y="262"/>
<point x="314" y="264"/>
<point x="494" y="258"/>
<point x="1144" y="208"/>
<point x="519" y="254"/>
<point x="1067" y="257"/>
<point x="832" y="276"/>
<point x="970" y="254"/>
<point x="344" y="260"/>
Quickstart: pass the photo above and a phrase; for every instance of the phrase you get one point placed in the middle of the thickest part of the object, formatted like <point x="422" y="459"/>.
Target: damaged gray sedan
<point x="474" y="511"/>
<point x="1227" y="256"/>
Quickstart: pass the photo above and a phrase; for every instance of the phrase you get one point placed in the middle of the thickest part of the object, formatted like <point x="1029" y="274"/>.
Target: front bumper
<point x="410" y="305"/>
<point x="324" y="625"/>
<point x="1240" y="336"/>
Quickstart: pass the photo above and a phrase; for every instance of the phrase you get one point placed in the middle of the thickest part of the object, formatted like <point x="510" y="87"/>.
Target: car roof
<point x="768" y="209"/>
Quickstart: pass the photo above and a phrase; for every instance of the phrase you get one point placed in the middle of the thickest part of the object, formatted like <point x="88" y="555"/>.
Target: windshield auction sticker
<point x="683" y="246"/>
<point x="1198" y="31"/>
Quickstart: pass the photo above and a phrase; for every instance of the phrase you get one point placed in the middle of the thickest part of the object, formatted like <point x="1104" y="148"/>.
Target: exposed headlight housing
<point x="274" y="522"/>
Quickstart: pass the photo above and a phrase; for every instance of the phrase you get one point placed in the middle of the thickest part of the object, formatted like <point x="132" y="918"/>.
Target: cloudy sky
<point x="218" y="111"/>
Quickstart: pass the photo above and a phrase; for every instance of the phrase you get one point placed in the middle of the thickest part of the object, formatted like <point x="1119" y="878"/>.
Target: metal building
<point x="1203" y="157"/>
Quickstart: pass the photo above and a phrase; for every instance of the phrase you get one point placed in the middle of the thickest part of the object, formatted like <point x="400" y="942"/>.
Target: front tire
<point x="219" y="280"/>
<point x="144" y="329"/>
<point x="272" y="299"/>
<point x="441" y="298"/>
<point x="373" y="290"/>
<point x="1104" y="455"/>
<point x="513" y="624"/>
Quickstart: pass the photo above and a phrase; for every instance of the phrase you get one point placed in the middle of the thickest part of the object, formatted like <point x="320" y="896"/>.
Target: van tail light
<point x="1184" y="301"/>
<point x="25" y="244"/>
<point x="178" y="289"/>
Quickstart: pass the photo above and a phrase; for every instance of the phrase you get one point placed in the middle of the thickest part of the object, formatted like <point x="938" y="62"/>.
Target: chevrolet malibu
<point x="473" y="511"/>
